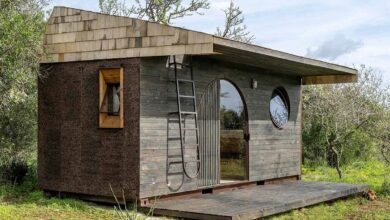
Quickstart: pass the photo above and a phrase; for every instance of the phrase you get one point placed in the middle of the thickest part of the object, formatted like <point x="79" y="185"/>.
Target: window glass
<point x="232" y="142"/>
<point x="113" y="93"/>
<point x="279" y="108"/>
<point x="232" y="107"/>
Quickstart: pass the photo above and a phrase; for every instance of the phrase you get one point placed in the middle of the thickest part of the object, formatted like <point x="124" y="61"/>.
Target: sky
<point x="348" y="32"/>
<point x="230" y="98"/>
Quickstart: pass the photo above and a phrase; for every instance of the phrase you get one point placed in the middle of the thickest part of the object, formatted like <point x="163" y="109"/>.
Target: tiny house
<point x="156" y="111"/>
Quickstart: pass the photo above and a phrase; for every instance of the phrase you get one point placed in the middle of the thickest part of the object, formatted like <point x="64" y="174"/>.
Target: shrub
<point x="15" y="172"/>
<point x="386" y="186"/>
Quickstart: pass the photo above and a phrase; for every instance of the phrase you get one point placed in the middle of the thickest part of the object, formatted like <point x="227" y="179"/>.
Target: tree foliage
<point x="344" y="122"/>
<point x="234" y="27"/>
<point x="165" y="11"/>
<point x="162" y="11"/>
<point x="231" y="119"/>
<point x="21" y="47"/>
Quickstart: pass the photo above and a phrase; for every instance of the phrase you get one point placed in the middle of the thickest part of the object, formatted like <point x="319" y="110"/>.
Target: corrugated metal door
<point x="209" y="134"/>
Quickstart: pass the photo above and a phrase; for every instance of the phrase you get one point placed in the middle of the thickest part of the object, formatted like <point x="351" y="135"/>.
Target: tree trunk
<point x="383" y="151"/>
<point x="337" y="162"/>
<point x="338" y="169"/>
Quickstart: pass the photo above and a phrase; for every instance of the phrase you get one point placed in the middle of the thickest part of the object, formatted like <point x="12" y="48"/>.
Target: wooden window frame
<point x="106" y="76"/>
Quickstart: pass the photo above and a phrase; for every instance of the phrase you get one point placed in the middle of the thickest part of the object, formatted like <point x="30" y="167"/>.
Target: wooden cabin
<point x="159" y="111"/>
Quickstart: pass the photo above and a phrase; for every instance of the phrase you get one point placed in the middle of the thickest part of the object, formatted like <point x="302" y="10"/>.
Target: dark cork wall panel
<point x="74" y="154"/>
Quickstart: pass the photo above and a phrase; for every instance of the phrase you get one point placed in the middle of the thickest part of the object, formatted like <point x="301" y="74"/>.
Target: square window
<point x="111" y="98"/>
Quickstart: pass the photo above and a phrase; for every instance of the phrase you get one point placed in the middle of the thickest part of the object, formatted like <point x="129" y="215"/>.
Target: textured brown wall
<point x="74" y="154"/>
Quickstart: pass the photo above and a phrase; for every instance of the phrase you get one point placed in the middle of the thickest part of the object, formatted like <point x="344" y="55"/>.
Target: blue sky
<point x="230" y="99"/>
<point x="348" y="32"/>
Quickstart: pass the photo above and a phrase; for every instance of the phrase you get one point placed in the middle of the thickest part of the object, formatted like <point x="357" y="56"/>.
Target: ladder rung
<point x="185" y="80"/>
<point x="187" y="96"/>
<point x="175" y="119"/>
<point x="192" y="161"/>
<point x="191" y="145"/>
<point x="183" y="113"/>
<point x="174" y="81"/>
<point x="174" y="138"/>
<point x="175" y="162"/>
<point x="185" y="129"/>
<point x="175" y="156"/>
<point x="188" y="113"/>
<point x="191" y="129"/>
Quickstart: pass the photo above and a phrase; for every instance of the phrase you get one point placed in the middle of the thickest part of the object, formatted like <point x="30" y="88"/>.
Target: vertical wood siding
<point x="209" y="131"/>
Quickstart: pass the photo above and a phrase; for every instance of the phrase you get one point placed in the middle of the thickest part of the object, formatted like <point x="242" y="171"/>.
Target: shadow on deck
<point x="257" y="201"/>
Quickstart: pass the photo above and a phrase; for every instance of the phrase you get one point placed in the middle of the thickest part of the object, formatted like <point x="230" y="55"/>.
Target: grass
<point x="232" y="145"/>
<point x="354" y="208"/>
<point x="232" y="169"/>
<point x="27" y="202"/>
<point x="373" y="174"/>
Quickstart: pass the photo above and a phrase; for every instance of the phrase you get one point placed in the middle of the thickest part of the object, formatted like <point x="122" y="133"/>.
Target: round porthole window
<point x="279" y="108"/>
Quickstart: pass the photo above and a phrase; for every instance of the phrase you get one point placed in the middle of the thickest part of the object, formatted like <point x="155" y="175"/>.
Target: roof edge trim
<point x="281" y="55"/>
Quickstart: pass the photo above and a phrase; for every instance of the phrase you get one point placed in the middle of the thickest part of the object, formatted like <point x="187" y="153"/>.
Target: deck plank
<point x="257" y="201"/>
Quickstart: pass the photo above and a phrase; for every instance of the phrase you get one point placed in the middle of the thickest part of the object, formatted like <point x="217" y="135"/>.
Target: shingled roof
<point x="78" y="35"/>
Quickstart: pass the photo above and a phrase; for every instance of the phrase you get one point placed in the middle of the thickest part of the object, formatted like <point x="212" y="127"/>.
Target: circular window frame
<point x="282" y="93"/>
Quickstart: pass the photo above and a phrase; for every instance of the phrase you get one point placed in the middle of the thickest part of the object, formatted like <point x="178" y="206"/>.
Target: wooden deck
<point x="257" y="201"/>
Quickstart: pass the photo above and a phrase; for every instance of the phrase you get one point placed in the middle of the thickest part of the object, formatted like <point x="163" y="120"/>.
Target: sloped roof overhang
<point x="78" y="35"/>
<point x="312" y="71"/>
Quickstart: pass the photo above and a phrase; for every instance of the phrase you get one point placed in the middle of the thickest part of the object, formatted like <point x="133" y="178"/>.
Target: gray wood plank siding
<point x="273" y="153"/>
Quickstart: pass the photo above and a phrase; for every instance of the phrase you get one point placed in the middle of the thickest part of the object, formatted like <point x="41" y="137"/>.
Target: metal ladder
<point x="183" y="115"/>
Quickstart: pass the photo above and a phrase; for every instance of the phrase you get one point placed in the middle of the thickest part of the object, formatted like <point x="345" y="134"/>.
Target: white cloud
<point x="335" y="47"/>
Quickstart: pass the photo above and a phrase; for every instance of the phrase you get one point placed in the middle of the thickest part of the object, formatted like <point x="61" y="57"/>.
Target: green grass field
<point x="27" y="202"/>
<point x="232" y="169"/>
<point x="373" y="174"/>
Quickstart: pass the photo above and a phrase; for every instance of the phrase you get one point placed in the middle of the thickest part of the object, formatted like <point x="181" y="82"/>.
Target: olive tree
<point x="234" y="27"/>
<point x="21" y="47"/>
<point x="345" y="121"/>
<point x="162" y="11"/>
<point x="165" y="11"/>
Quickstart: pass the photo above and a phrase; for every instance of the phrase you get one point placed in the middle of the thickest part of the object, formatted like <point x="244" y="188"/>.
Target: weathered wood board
<point x="255" y="202"/>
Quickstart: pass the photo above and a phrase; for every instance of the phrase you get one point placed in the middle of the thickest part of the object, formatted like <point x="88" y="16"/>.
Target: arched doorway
<point x="223" y="132"/>
<point x="233" y="125"/>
